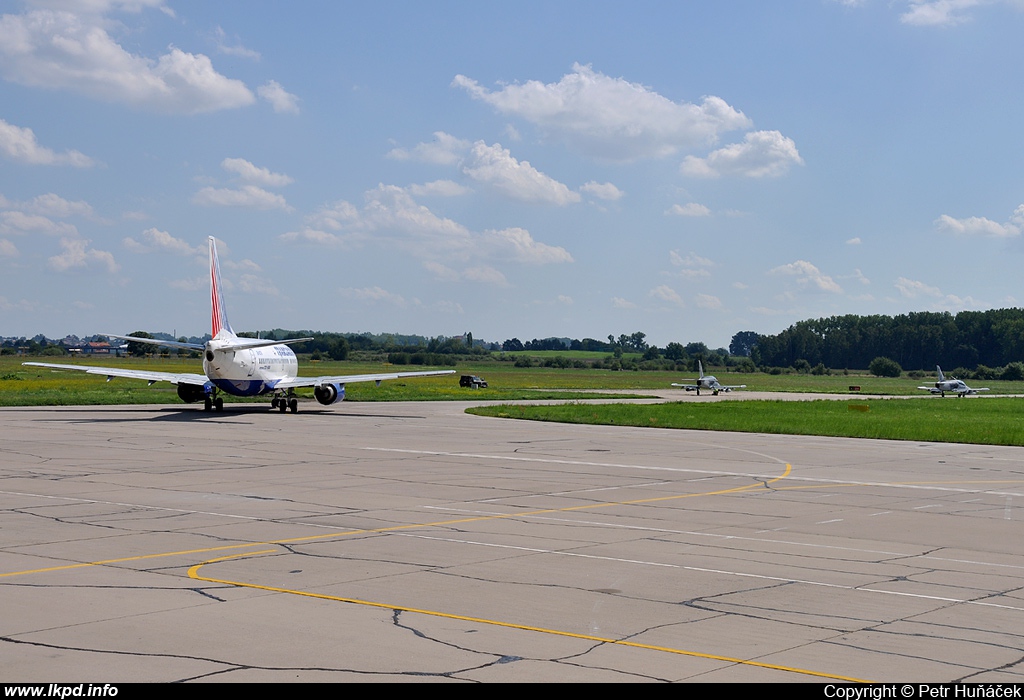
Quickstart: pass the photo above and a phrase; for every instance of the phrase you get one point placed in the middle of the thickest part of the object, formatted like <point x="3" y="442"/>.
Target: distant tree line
<point x="916" y="341"/>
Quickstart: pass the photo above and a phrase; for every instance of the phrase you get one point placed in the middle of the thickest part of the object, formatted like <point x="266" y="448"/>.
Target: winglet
<point x="219" y="313"/>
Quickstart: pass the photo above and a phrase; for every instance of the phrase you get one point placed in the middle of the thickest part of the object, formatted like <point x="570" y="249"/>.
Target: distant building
<point x="93" y="348"/>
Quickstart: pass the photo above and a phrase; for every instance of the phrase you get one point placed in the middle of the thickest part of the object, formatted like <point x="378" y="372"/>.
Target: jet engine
<point x="329" y="393"/>
<point x="190" y="393"/>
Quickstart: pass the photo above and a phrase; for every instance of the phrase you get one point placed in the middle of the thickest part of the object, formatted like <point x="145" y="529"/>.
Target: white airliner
<point x="952" y="385"/>
<point x="708" y="383"/>
<point x="240" y="366"/>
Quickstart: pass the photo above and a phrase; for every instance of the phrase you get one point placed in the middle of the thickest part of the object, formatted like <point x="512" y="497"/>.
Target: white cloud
<point x="246" y="264"/>
<point x="477" y="273"/>
<point x="20" y="145"/>
<point x="522" y="248"/>
<point x="247" y="196"/>
<point x="980" y="226"/>
<point x="281" y="100"/>
<point x="441" y="272"/>
<point x="20" y="305"/>
<point x="496" y="167"/>
<point x="691" y="260"/>
<point x="391" y="217"/>
<point x="620" y="303"/>
<point x="762" y="154"/>
<point x="859" y="276"/>
<point x="565" y="299"/>
<point x="607" y="191"/>
<point x="258" y="284"/>
<point x="666" y="293"/>
<point x="235" y="49"/>
<point x="806" y="273"/>
<point x="853" y="241"/>
<point x="445" y="149"/>
<point x="485" y="274"/>
<point x="692" y="266"/>
<point x="77" y="254"/>
<point x="439" y="188"/>
<point x="611" y="118"/>
<point x="195" y="284"/>
<point x="51" y="204"/>
<point x="938" y="13"/>
<point x="915" y="289"/>
<point x="7" y="249"/>
<point x="155" y="239"/>
<point x="250" y="173"/>
<point x="59" y="49"/>
<point x="912" y="289"/>
<point x="18" y="222"/>
<point x="317" y="236"/>
<point x="690" y="209"/>
<point x="707" y="301"/>
<point x="373" y="294"/>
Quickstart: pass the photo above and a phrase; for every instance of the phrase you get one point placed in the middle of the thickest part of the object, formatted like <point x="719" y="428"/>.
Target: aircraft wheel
<point x="293" y="405"/>
<point x="219" y="404"/>
<point x="282" y="405"/>
<point x="208" y="404"/>
<point x="273" y="402"/>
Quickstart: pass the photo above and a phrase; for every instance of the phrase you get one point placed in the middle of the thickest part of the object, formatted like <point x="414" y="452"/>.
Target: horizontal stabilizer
<point x="155" y="341"/>
<point x="249" y="343"/>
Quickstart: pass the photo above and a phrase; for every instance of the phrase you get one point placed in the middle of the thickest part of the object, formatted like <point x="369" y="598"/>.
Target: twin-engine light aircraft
<point x="952" y="385"/>
<point x="240" y="366"/>
<point x="708" y="383"/>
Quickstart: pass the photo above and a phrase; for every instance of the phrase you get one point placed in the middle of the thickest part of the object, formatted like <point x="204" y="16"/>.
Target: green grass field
<point x="985" y="421"/>
<point x="39" y="386"/>
<point x="21" y="386"/>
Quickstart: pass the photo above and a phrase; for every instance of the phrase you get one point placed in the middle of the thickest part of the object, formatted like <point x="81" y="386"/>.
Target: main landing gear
<point x="211" y="403"/>
<point x="285" y="403"/>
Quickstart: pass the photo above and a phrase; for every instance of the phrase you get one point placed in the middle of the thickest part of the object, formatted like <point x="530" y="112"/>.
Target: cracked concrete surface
<point x="411" y="541"/>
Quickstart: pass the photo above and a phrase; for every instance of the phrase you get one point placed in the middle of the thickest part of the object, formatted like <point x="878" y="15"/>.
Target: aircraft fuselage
<point x="249" y="371"/>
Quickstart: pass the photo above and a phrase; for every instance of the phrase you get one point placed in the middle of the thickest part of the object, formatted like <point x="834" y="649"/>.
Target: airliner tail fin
<point x="219" y="314"/>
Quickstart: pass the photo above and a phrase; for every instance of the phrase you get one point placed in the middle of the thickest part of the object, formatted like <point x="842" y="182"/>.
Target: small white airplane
<point x="240" y="366"/>
<point x="952" y="385"/>
<point x="708" y="383"/>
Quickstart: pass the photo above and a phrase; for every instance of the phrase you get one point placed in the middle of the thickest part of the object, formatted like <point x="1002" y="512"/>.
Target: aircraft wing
<point x="730" y="388"/>
<point x="930" y="388"/>
<point x="688" y="387"/>
<point x="352" y="378"/>
<point x="111" y="372"/>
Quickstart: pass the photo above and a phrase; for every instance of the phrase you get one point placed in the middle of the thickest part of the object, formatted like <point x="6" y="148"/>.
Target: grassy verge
<point x="22" y="386"/>
<point x="985" y="421"/>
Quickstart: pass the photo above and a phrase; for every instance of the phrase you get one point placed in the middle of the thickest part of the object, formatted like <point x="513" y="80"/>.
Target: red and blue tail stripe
<point x="219" y="314"/>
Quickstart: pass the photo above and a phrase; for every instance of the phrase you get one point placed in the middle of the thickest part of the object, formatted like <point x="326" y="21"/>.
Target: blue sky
<point x="685" y="169"/>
